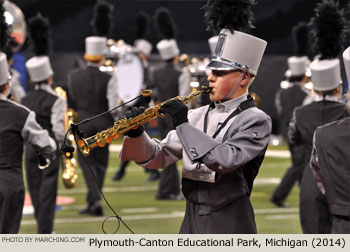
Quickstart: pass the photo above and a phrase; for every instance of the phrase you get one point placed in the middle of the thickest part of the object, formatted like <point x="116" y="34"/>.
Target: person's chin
<point x="213" y="98"/>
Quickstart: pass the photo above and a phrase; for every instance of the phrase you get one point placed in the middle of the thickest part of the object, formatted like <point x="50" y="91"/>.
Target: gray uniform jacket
<point x="31" y="133"/>
<point x="243" y="139"/>
<point x="330" y="164"/>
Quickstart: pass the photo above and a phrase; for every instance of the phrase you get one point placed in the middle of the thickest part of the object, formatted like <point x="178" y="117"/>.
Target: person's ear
<point x="50" y="80"/>
<point x="245" y="79"/>
<point x="6" y="89"/>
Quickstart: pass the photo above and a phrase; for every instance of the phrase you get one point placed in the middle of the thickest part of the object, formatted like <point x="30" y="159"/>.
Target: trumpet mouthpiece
<point x="206" y="89"/>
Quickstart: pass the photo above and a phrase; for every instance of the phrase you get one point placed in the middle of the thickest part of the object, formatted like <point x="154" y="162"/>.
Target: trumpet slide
<point x="124" y="125"/>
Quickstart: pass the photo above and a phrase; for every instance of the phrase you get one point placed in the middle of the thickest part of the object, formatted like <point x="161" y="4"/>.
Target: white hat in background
<point x="237" y="51"/>
<point x="328" y="40"/>
<point x="325" y="74"/>
<point x="212" y="43"/>
<point x="39" y="68"/>
<point x="4" y="69"/>
<point x="95" y="45"/>
<point x="168" y="49"/>
<point x="346" y="57"/>
<point x="143" y="46"/>
<point x="297" y="65"/>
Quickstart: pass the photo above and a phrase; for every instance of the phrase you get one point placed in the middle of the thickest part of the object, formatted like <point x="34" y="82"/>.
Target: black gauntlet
<point x="177" y="110"/>
<point x="135" y="111"/>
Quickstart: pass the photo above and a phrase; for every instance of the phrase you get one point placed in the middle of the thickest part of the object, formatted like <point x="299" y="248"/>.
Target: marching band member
<point x="169" y="81"/>
<point x="287" y="99"/>
<point x="50" y="110"/>
<point x="326" y="107"/>
<point x="17" y="126"/>
<point x="223" y="144"/>
<point x="143" y="48"/>
<point x="94" y="92"/>
<point x="330" y="163"/>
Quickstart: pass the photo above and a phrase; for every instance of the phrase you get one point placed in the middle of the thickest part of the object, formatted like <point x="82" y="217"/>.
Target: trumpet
<point x="124" y="125"/>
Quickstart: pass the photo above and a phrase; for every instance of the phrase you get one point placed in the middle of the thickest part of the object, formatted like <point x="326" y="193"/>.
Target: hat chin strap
<point x="235" y="86"/>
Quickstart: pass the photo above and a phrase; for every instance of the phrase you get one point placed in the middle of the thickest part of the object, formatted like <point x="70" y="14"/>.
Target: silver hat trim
<point x="227" y="63"/>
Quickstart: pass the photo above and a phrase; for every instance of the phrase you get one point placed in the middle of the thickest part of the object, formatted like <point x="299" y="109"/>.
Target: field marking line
<point x="282" y="216"/>
<point x="270" y="214"/>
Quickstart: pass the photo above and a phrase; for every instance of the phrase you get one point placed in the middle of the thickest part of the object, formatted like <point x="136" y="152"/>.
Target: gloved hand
<point x="135" y="111"/>
<point x="177" y="110"/>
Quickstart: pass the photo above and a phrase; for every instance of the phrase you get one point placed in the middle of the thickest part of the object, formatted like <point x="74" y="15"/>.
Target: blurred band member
<point x="17" y="126"/>
<point x="330" y="162"/>
<point x="94" y="92"/>
<point x="50" y="110"/>
<point x="169" y="81"/>
<point x="287" y="99"/>
<point x="143" y="48"/>
<point x="315" y="217"/>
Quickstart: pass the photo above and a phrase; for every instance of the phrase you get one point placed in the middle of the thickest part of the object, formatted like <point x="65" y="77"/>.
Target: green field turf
<point x="133" y="199"/>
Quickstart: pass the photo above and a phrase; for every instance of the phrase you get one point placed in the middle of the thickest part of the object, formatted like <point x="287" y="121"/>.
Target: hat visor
<point x="215" y="65"/>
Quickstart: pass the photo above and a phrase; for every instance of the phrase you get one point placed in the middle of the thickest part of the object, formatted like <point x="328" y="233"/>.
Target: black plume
<point x="328" y="26"/>
<point x="40" y="34"/>
<point x="165" y="23"/>
<point x="348" y="26"/>
<point x="142" y="25"/>
<point x="102" y="21"/>
<point x="300" y="34"/>
<point x="230" y="14"/>
<point x="4" y="28"/>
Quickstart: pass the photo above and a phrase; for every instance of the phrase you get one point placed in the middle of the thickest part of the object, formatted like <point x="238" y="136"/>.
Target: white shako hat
<point x="95" y="45"/>
<point x="4" y="69"/>
<point x="325" y="74"/>
<point x="212" y="43"/>
<point x="297" y="65"/>
<point x="168" y="49"/>
<point x="39" y="68"/>
<point x="346" y="57"/>
<point x="143" y="46"/>
<point x="237" y="51"/>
